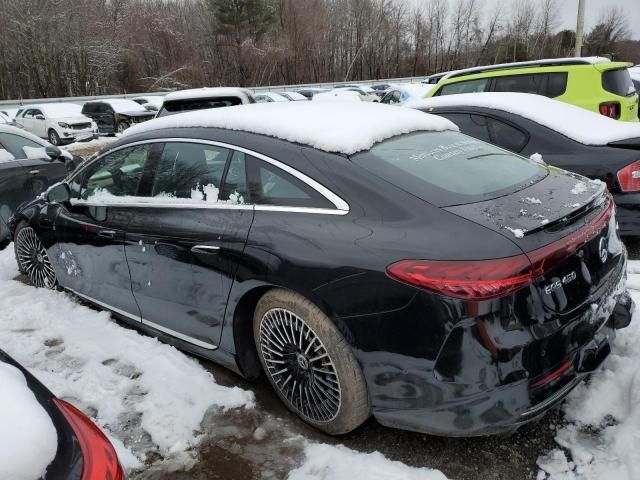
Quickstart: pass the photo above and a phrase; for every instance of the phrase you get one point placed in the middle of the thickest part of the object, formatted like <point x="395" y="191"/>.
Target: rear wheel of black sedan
<point x="32" y="258"/>
<point x="309" y="363"/>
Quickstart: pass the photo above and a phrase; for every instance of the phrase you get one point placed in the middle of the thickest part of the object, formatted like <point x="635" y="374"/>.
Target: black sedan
<point x="530" y="124"/>
<point x="83" y="451"/>
<point x="28" y="166"/>
<point x="367" y="258"/>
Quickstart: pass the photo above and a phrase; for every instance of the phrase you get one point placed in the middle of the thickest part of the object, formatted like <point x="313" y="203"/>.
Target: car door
<point x="38" y="124"/>
<point x="184" y="243"/>
<point x="14" y="188"/>
<point x="90" y="232"/>
<point x="26" y="120"/>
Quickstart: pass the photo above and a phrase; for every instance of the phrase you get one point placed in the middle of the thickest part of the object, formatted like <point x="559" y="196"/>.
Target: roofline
<point x="529" y="64"/>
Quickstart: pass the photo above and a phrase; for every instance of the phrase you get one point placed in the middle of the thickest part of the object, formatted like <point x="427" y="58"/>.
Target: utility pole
<point x="580" y="28"/>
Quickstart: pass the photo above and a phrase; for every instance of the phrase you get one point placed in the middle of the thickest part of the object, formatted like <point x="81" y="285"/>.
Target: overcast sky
<point x="569" y="12"/>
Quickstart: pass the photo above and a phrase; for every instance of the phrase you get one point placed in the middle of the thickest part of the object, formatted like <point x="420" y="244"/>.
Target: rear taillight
<point x="489" y="279"/>
<point x="610" y="109"/>
<point x="100" y="461"/>
<point x="473" y="280"/>
<point x="629" y="177"/>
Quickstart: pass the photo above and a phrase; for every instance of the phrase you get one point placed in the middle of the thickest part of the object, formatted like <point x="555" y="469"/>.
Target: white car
<point x="204" y="98"/>
<point x="60" y="123"/>
<point x="293" y="96"/>
<point x="340" y="95"/>
<point x="267" y="97"/>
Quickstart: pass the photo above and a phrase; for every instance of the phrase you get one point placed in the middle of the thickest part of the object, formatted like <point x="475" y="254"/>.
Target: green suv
<point x="594" y="83"/>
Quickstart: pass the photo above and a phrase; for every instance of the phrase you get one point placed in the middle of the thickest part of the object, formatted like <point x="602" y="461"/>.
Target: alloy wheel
<point x="299" y="365"/>
<point x="34" y="260"/>
<point x="53" y="138"/>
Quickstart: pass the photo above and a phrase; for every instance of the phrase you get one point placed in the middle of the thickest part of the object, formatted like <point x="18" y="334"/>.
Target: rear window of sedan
<point x="449" y="168"/>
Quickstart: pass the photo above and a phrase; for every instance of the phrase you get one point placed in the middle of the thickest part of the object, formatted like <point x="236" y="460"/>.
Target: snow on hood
<point x="74" y="119"/>
<point x="583" y="126"/>
<point x="58" y="110"/>
<point x="341" y="127"/>
<point x="126" y="106"/>
<point x="28" y="439"/>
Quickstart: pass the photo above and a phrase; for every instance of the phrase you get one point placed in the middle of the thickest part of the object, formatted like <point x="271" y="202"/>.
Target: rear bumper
<point x="457" y="413"/>
<point x="628" y="214"/>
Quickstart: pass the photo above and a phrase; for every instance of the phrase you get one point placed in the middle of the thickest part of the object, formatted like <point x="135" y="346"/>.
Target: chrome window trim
<point x="173" y="333"/>
<point x="342" y="207"/>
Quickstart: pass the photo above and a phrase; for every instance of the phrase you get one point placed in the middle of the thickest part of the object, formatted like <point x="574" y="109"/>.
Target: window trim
<point x="341" y="206"/>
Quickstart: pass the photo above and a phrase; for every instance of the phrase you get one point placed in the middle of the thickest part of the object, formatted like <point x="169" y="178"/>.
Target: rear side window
<point x="177" y="106"/>
<point x="449" y="168"/>
<point x="547" y="84"/>
<point x="506" y="136"/>
<point x="467" y="86"/>
<point x="618" y="82"/>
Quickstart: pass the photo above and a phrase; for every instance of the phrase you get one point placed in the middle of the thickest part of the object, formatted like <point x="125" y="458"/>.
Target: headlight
<point x="64" y="125"/>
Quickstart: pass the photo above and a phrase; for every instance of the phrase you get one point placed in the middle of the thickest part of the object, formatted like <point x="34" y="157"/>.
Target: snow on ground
<point x="327" y="462"/>
<point x="28" y="439"/>
<point x="95" y="144"/>
<point x="145" y="394"/>
<point x="600" y="440"/>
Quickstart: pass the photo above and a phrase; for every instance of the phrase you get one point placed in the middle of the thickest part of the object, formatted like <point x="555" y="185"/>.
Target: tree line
<point x="55" y="48"/>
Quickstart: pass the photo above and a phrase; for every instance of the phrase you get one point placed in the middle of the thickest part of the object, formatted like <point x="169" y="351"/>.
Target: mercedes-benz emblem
<point x="603" y="251"/>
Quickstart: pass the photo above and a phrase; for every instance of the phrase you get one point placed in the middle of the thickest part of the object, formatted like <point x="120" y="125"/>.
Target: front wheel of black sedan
<point x="32" y="258"/>
<point x="309" y="363"/>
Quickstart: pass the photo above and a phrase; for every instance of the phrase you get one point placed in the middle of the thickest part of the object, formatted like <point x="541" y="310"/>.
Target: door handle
<point x="206" y="249"/>
<point x="34" y="172"/>
<point x="107" y="233"/>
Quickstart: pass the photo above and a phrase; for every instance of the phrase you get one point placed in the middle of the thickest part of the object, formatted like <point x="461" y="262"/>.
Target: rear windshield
<point x="618" y="82"/>
<point x="449" y="168"/>
<point x="177" y="106"/>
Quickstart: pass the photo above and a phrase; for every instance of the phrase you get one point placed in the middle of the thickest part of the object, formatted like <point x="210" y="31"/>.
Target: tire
<point x="122" y="126"/>
<point x="329" y="392"/>
<point x="32" y="258"/>
<point x="54" y="138"/>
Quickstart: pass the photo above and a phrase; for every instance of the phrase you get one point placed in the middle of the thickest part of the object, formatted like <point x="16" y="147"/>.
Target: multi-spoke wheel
<point x="32" y="258"/>
<point x="308" y="362"/>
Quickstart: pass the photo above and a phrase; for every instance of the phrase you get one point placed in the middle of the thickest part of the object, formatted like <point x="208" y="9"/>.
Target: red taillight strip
<point x="553" y="375"/>
<point x="100" y="460"/>
<point x="629" y="177"/>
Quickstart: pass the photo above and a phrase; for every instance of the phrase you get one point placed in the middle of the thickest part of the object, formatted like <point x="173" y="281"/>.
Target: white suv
<point x="60" y="123"/>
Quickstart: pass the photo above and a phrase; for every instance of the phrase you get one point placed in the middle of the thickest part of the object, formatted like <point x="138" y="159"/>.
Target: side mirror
<point x="39" y="117"/>
<point x="59" y="193"/>
<point x="54" y="153"/>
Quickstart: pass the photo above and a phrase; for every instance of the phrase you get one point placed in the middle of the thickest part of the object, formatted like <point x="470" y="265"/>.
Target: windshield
<point x="449" y="168"/>
<point x="61" y="110"/>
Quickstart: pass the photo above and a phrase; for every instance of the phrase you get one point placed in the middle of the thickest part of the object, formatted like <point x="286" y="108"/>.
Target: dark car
<point x="527" y="125"/>
<point x="116" y="115"/>
<point x="83" y="452"/>
<point x="28" y="166"/>
<point x="349" y="262"/>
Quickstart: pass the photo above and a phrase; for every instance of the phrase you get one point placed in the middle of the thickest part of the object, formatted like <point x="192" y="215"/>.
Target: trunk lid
<point x="565" y="225"/>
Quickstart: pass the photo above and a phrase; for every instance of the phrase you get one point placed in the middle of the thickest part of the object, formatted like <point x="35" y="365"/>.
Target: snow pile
<point x="579" y="188"/>
<point x="601" y="440"/>
<point x="581" y="125"/>
<point x="6" y="156"/>
<point x="536" y="157"/>
<point x="95" y="144"/>
<point x="145" y="393"/>
<point x="327" y="462"/>
<point x="200" y="194"/>
<point x="635" y="73"/>
<point x="28" y="439"/>
<point x="121" y="105"/>
<point x="344" y="127"/>
<point x="517" y="232"/>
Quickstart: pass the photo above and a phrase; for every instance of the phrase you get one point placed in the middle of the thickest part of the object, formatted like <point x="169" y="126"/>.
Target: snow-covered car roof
<point x="208" y="92"/>
<point x="346" y="127"/>
<point x="59" y="109"/>
<point x="123" y="105"/>
<point x="340" y="95"/>
<point x="276" y="97"/>
<point x="583" y="126"/>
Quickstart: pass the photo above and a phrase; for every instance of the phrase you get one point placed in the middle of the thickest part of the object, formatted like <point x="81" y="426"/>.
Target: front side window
<point x="15" y="145"/>
<point x="449" y="168"/>
<point x="117" y="174"/>
<point x="467" y="86"/>
<point x="190" y="170"/>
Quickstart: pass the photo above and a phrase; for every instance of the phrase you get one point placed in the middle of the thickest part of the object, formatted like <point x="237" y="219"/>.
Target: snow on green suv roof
<point x="594" y="83"/>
